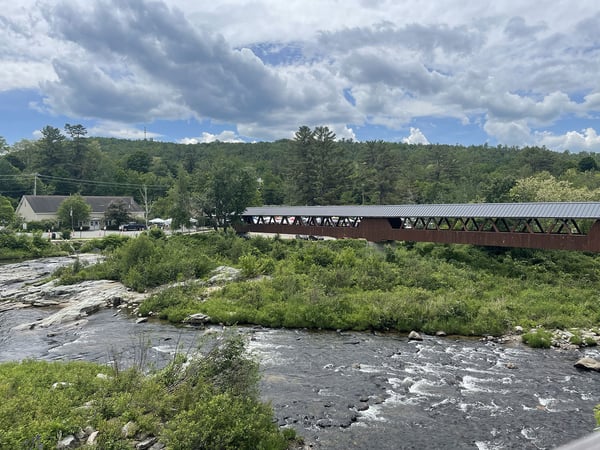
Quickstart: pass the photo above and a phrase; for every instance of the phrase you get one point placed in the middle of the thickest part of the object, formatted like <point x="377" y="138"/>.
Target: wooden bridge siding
<point x="378" y="230"/>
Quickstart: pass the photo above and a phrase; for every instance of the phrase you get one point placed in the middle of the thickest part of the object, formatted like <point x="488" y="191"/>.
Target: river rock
<point x="146" y="443"/>
<point x="224" y="274"/>
<point x="588" y="364"/>
<point x="414" y="336"/>
<point x="78" y="300"/>
<point x="91" y="440"/>
<point x="68" y="442"/>
<point x="197" y="319"/>
<point x="362" y="406"/>
<point x="129" y="429"/>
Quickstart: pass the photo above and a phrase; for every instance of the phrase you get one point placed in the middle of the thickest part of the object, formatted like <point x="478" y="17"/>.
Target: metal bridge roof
<point x="553" y="210"/>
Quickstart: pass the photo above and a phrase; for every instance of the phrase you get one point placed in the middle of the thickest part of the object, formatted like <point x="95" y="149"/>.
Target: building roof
<point x="50" y="203"/>
<point x="562" y="210"/>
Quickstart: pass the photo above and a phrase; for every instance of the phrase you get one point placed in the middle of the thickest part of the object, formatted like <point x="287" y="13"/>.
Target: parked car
<point x="133" y="227"/>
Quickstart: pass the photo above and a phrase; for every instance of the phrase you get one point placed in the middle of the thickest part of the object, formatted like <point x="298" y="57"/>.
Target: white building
<point x="34" y="208"/>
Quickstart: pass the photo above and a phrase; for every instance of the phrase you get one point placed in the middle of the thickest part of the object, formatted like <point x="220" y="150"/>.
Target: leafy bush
<point x="106" y="243"/>
<point x="538" y="338"/>
<point x="17" y="245"/>
<point x="42" y="225"/>
<point x="208" y="401"/>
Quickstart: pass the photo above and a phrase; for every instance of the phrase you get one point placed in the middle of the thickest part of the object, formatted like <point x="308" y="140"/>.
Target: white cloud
<point x="121" y="131"/>
<point x="524" y="66"/>
<point x="224" y="136"/>
<point x="586" y="140"/>
<point x="415" y="137"/>
<point x="511" y="133"/>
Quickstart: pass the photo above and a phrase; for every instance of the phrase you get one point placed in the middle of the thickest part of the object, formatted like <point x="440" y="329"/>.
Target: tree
<point x="229" y="191"/>
<point x="73" y="212"/>
<point x="117" y="213"/>
<point x="3" y="146"/>
<point x="12" y="181"/>
<point x="51" y="146"/>
<point x="140" y="161"/>
<point x="320" y="171"/>
<point x="497" y="190"/>
<point x="544" y="187"/>
<point x="7" y="212"/>
<point x="587" y="163"/>
<point x="383" y="170"/>
<point x="302" y="169"/>
<point x="77" y="134"/>
<point x="181" y="204"/>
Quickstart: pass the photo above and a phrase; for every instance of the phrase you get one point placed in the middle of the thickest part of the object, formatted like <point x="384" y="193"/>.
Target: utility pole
<point x="146" y="205"/>
<point x="35" y="184"/>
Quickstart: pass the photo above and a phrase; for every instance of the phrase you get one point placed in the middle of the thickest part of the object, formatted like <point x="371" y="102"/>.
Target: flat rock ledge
<point x="76" y="301"/>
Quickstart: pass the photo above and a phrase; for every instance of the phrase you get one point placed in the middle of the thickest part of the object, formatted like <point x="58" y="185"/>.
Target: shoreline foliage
<point x="16" y="246"/>
<point x="207" y="401"/>
<point x="353" y="285"/>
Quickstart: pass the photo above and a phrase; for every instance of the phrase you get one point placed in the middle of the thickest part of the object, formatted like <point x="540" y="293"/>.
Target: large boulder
<point x="588" y="364"/>
<point x="414" y="336"/>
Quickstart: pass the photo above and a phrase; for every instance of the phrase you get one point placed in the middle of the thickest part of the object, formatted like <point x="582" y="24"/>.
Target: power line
<point x="100" y="183"/>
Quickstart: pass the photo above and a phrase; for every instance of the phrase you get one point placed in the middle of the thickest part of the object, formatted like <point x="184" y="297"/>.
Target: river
<point x="360" y="390"/>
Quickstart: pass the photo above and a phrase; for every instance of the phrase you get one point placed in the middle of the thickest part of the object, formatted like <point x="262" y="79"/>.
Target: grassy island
<point x="353" y="285"/>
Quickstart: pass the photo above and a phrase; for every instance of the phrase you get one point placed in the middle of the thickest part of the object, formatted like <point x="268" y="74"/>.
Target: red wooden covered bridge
<point x="551" y="225"/>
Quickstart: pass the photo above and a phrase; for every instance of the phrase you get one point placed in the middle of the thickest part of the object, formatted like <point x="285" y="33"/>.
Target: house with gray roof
<point x="34" y="208"/>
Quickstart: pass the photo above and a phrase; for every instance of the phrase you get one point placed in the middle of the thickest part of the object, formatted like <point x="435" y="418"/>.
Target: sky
<point x="503" y="72"/>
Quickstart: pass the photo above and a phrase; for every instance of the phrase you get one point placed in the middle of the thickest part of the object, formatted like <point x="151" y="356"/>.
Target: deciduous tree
<point x="230" y="189"/>
<point x="7" y="212"/>
<point x="117" y="213"/>
<point x="73" y="212"/>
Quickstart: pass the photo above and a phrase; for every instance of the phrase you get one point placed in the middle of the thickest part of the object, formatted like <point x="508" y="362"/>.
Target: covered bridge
<point x="550" y="225"/>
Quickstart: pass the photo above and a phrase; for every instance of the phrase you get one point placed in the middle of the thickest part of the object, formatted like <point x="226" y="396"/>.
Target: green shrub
<point x="209" y="401"/>
<point x="538" y="338"/>
<point x="42" y="225"/>
<point x="576" y="339"/>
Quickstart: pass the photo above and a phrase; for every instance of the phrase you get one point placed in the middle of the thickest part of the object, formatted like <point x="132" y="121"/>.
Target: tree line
<point x="217" y="181"/>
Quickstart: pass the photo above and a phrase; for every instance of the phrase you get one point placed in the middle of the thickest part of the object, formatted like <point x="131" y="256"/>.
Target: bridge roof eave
<point x="563" y="210"/>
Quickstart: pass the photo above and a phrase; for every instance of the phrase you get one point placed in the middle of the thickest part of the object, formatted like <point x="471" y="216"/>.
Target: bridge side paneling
<point x="378" y="230"/>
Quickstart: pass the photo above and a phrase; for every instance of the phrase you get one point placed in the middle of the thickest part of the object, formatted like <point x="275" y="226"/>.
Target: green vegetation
<point x="540" y="338"/>
<point x="209" y="401"/>
<point x="20" y="246"/>
<point x="350" y="284"/>
<point x="72" y="212"/>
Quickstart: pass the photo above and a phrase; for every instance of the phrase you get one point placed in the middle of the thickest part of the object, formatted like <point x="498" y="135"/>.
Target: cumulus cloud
<point x="121" y="131"/>
<point x="512" y="133"/>
<point x="415" y="137"/>
<point x="575" y="141"/>
<point x="224" y="136"/>
<point x="523" y="67"/>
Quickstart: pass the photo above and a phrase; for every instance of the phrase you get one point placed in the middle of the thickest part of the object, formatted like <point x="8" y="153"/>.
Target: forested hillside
<point x="184" y="181"/>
